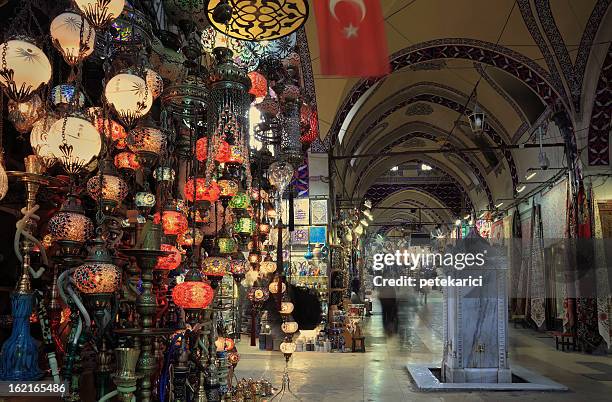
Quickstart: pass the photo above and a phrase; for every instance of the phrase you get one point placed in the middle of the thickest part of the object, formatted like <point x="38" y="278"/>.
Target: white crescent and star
<point x="350" y="31"/>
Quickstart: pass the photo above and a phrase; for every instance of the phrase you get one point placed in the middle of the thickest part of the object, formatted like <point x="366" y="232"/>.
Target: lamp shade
<point x="130" y="96"/>
<point x="174" y="222"/>
<point x="192" y="295"/>
<point x="170" y="261"/>
<point x="100" y="12"/>
<point x="267" y="266"/>
<point x="280" y="175"/>
<point x="215" y="266"/>
<point x="144" y="199"/>
<point x="289" y="327"/>
<point x="202" y="149"/>
<point x="238" y="267"/>
<point x="39" y="138"/>
<point x="164" y="173"/>
<point x="74" y="141"/>
<point x="24" y="68"/>
<point x="97" y="278"/>
<point x="72" y="35"/>
<point x="146" y="139"/>
<point x="288" y="347"/>
<point x="222" y="343"/>
<point x="154" y="82"/>
<point x="70" y="224"/>
<point x="126" y="161"/>
<point x="276" y="286"/>
<point x="109" y="189"/>
<point x="258" y="294"/>
<point x="113" y="130"/>
<point x="244" y="225"/>
<point x="227" y="245"/>
<point x="240" y="201"/>
<point x="259" y="84"/>
<point x="235" y="156"/>
<point x="202" y="191"/>
<point x="222" y="153"/>
<point x="228" y="187"/>
<point x="286" y="307"/>
<point x="23" y="115"/>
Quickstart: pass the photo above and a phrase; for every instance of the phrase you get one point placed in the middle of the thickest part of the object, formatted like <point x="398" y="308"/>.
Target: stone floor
<point x="380" y="374"/>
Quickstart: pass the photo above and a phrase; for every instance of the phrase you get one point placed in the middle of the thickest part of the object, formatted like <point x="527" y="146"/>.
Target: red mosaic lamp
<point x="259" y="84"/>
<point x="204" y="195"/>
<point x="223" y="152"/>
<point x="170" y="261"/>
<point x="126" y="162"/>
<point x="173" y="222"/>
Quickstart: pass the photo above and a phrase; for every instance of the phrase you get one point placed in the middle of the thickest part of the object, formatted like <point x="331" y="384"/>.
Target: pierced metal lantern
<point x="257" y="20"/>
<point x="100" y="13"/>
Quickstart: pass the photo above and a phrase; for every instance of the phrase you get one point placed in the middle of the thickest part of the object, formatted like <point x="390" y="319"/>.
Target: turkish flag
<point x="352" y="40"/>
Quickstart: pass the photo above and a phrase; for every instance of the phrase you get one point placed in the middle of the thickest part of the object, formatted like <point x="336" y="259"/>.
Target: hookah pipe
<point x="49" y="343"/>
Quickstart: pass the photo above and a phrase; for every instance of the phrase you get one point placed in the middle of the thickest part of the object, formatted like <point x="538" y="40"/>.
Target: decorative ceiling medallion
<point x="258" y="20"/>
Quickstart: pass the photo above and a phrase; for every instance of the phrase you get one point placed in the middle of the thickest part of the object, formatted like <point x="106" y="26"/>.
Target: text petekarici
<point x="447" y="281"/>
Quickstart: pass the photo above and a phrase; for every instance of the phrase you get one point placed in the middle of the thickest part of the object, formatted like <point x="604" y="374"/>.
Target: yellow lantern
<point x="74" y="141"/>
<point x="130" y="96"/>
<point x="24" y="68"/>
<point x="100" y="12"/>
<point x="72" y="36"/>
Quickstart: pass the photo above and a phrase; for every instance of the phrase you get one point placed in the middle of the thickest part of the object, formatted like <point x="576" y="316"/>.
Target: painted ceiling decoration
<point x="601" y="117"/>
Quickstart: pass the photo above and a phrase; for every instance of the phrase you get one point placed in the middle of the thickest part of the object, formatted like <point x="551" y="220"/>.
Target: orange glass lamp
<point x="108" y="188"/>
<point x="228" y="188"/>
<point x="173" y="222"/>
<point x="204" y="194"/>
<point x="236" y="156"/>
<point x="170" y="261"/>
<point x="126" y="162"/>
<point x="192" y="295"/>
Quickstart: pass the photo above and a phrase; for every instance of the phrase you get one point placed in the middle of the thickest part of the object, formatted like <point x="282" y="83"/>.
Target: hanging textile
<point x="497" y="233"/>
<point x="516" y="265"/>
<point x="569" y="301"/>
<point x="586" y="302"/>
<point x="537" y="286"/>
<point x="604" y="302"/>
<point x="553" y="212"/>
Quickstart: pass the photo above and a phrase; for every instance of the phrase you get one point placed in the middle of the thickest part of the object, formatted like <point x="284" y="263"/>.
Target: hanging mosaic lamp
<point x="100" y="12"/>
<point x="107" y="188"/>
<point x="154" y="82"/>
<point x="286" y="307"/>
<point x="170" y="261"/>
<point x="173" y="222"/>
<point x="112" y="130"/>
<point x="72" y="35"/>
<point x="69" y="227"/>
<point x="62" y="97"/>
<point x="204" y="194"/>
<point x="261" y="20"/>
<point x="222" y="344"/>
<point x="130" y="97"/>
<point x="215" y="268"/>
<point x="126" y="162"/>
<point x="223" y="152"/>
<point x="259" y="85"/>
<point x="240" y="201"/>
<point x="24" y="68"/>
<point x="267" y="266"/>
<point x="192" y="295"/>
<point x="226" y="244"/>
<point x="98" y="275"/>
<point x="244" y="226"/>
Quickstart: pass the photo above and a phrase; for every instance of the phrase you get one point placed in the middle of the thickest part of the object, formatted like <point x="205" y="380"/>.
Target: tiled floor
<point x="379" y="374"/>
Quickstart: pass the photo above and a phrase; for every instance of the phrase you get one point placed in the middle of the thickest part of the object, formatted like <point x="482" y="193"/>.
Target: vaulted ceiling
<point x="525" y="57"/>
